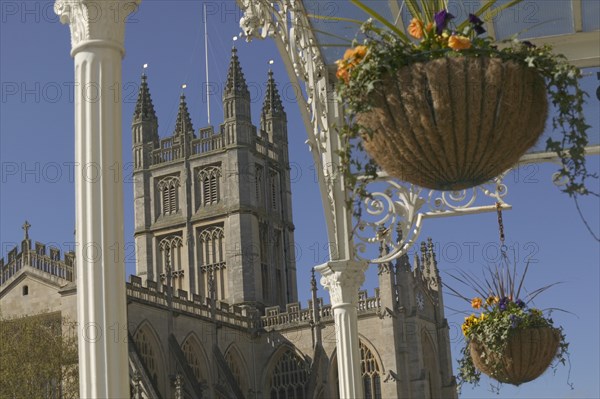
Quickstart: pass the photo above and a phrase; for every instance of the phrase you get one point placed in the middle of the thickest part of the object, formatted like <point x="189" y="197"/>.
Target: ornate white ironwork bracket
<point x="394" y="212"/>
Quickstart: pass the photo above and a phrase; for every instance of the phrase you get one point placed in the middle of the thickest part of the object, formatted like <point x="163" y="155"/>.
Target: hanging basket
<point x="528" y="354"/>
<point x="454" y="123"/>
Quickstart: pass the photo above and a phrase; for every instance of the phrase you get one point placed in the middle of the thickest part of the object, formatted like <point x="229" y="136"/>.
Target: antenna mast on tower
<point x="206" y="64"/>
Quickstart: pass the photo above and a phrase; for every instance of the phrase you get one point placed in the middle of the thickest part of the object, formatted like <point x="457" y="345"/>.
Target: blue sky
<point x="36" y="154"/>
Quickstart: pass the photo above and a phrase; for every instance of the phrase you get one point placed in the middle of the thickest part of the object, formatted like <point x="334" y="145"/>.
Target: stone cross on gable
<point x="26" y="227"/>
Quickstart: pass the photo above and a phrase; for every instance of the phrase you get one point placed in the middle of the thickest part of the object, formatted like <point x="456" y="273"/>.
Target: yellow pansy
<point x="492" y="300"/>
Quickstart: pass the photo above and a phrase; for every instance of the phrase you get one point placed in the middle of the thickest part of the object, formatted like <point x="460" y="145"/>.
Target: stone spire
<point x="236" y="106"/>
<point x="433" y="274"/>
<point x="236" y="83"/>
<point x="183" y="124"/>
<point x="424" y="256"/>
<point x="144" y="109"/>
<point x="315" y="309"/>
<point x="273" y="120"/>
<point x="403" y="262"/>
<point x="272" y="105"/>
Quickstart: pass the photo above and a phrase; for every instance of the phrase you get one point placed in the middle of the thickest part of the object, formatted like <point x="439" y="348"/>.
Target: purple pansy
<point x="520" y="303"/>
<point x="441" y="20"/>
<point x="514" y="320"/>
<point x="477" y="24"/>
<point x="503" y="304"/>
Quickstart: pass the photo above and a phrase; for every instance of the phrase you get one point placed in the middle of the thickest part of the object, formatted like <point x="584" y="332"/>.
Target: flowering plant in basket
<point x="444" y="106"/>
<point x="509" y="340"/>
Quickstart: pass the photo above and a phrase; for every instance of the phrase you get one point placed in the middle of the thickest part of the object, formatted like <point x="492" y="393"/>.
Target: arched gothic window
<point x="193" y="355"/>
<point x="431" y="365"/>
<point x="236" y="365"/>
<point x="289" y="377"/>
<point x="170" y="250"/>
<point x="169" y="198"/>
<point x="209" y="185"/>
<point x="370" y="373"/>
<point x="213" y="276"/>
<point x="147" y="347"/>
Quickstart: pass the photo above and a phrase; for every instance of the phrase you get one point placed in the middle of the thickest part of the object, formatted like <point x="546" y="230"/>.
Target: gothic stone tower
<point x="213" y="209"/>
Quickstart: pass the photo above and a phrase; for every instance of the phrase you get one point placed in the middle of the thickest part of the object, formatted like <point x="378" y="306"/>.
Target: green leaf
<point x="380" y="18"/>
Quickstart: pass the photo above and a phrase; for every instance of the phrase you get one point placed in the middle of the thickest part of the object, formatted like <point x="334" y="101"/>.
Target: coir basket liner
<point x="528" y="354"/>
<point x="454" y="123"/>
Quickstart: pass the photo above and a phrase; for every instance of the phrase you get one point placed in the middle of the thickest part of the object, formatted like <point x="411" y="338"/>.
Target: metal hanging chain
<point x="500" y="225"/>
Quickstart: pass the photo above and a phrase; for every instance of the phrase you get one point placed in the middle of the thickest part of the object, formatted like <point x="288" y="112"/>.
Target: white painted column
<point x="343" y="280"/>
<point x="97" y="35"/>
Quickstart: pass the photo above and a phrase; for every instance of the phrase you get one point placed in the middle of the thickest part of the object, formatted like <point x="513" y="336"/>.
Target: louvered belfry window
<point x="209" y="181"/>
<point x="168" y="195"/>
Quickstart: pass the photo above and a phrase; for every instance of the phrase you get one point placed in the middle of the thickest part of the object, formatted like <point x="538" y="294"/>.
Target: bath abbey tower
<point x="213" y="209"/>
<point x="213" y="308"/>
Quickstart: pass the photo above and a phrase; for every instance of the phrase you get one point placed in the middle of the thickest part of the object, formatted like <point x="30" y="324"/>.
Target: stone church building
<point x="213" y="309"/>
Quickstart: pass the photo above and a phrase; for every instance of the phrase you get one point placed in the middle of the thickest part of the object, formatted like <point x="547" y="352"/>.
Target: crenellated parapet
<point x="294" y="315"/>
<point x="172" y="149"/>
<point x="48" y="264"/>
<point x="241" y="316"/>
<point x="38" y="259"/>
<point x="195" y="305"/>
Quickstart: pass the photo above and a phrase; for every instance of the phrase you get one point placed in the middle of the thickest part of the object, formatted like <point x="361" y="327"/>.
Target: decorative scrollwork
<point x="392" y="216"/>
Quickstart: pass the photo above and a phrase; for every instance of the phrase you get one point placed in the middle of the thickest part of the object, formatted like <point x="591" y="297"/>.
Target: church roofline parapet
<point x="233" y="316"/>
<point x="37" y="274"/>
<point x="37" y="257"/>
<point x="240" y="316"/>
<point x="294" y="315"/>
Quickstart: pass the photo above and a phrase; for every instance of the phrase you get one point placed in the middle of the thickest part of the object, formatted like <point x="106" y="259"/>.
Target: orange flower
<point x="352" y="57"/>
<point x="355" y="55"/>
<point x="342" y="73"/>
<point x="416" y="28"/>
<point x="457" y="42"/>
<point x="429" y="27"/>
<point x="476" y="303"/>
<point x="360" y="52"/>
